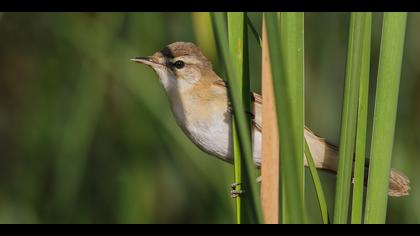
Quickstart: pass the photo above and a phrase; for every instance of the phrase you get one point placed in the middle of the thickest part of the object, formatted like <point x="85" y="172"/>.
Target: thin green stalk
<point x="292" y="37"/>
<point x="290" y="151"/>
<point x="237" y="32"/>
<point x="389" y="72"/>
<point x="349" y="115"/>
<point x="318" y="186"/>
<point x="251" y="196"/>
<point x="359" y="165"/>
<point x="239" y="206"/>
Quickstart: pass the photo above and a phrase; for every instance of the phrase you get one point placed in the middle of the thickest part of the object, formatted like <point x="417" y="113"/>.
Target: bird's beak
<point x="142" y="60"/>
<point x="145" y="60"/>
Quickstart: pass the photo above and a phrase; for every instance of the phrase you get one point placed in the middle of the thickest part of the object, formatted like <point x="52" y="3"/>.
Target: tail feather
<point x="326" y="156"/>
<point x="399" y="184"/>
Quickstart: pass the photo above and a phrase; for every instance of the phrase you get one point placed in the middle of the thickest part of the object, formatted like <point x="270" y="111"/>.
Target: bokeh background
<point x="86" y="136"/>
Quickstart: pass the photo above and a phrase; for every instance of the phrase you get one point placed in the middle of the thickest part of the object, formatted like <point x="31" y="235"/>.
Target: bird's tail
<point x="399" y="184"/>
<point x="325" y="157"/>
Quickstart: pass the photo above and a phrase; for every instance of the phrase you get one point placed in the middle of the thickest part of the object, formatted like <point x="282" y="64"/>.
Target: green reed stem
<point x="251" y="196"/>
<point x="290" y="118"/>
<point x="389" y="72"/>
<point x="237" y="44"/>
<point x="359" y="165"/>
<point x="318" y="186"/>
<point x="349" y="117"/>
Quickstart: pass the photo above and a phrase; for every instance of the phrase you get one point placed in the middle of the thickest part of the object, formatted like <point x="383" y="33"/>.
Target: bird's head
<point x="179" y="65"/>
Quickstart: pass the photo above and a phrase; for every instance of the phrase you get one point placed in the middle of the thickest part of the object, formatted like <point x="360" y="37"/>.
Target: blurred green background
<point x="86" y="136"/>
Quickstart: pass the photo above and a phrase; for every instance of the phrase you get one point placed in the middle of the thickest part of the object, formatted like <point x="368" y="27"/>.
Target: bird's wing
<point x="257" y="115"/>
<point x="256" y="105"/>
<point x="324" y="153"/>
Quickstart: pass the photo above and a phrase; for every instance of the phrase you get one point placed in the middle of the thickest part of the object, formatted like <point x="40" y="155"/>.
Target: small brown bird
<point x="199" y="102"/>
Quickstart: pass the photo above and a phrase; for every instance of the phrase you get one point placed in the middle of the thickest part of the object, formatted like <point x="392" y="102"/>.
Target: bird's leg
<point x="229" y="108"/>
<point x="234" y="193"/>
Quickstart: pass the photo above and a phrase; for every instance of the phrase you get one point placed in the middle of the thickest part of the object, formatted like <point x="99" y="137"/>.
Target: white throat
<point x="172" y="84"/>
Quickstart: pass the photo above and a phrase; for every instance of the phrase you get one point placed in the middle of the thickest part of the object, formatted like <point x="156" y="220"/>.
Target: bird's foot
<point x="234" y="193"/>
<point x="229" y="108"/>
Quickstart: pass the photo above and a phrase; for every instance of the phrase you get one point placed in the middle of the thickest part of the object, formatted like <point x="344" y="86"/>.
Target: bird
<point x="199" y="101"/>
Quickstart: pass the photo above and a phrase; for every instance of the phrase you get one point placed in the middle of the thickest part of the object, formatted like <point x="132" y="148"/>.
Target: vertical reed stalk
<point x="270" y="140"/>
<point x="287" y="117"/>
<point x="359" y="165"/>
<point x="349" y="115"/>
<point x="386" y="101"/>
<point x="237" y="33"/>
<point x="241" y="122"/>
<point x="292" y="38"/>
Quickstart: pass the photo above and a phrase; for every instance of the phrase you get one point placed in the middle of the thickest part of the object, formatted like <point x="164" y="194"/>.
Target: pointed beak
<point x="150" y="61"/>
<point x="143" y="60"/>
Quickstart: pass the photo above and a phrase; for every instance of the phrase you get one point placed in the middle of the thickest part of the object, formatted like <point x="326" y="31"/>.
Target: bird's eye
<point x="179" y="64"/>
